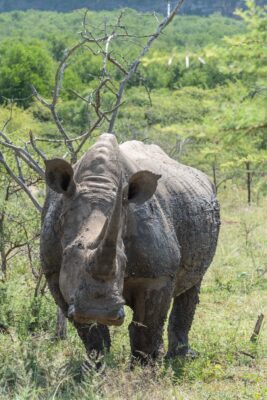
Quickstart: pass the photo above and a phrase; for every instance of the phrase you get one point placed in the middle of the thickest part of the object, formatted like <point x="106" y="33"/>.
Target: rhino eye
<point x="80" y="246"/>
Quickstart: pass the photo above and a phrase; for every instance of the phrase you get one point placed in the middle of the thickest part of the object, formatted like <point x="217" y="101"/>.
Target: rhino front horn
<point x="106" y="252"/>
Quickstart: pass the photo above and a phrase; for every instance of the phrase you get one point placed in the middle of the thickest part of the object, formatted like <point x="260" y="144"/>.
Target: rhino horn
<point x="93" y="245"/>
<point x="106" y="252"/>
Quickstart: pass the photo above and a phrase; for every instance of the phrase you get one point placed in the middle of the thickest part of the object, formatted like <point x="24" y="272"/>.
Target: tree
<point x="21" y="65"/>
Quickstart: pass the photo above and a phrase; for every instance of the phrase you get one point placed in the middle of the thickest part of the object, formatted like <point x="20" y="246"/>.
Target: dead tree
<point x="100" y="43"/>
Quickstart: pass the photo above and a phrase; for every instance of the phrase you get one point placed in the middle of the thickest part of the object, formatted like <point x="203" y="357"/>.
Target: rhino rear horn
<point x="59" y="176"/>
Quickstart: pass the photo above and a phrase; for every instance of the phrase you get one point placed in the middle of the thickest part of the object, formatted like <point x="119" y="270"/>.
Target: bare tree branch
<point x="23" y="154"/>
<point x="38" y="151"/>
<point x="135" y="64"/>
<point x="20" y="182"/>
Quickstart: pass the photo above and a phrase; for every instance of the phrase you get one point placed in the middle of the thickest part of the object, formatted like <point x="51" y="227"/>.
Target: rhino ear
<point x="59" y="176"/>
<point x="142" y="185"/>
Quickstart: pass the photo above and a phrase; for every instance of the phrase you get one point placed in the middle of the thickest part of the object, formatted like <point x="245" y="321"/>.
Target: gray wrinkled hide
<point x="169" y="242"/>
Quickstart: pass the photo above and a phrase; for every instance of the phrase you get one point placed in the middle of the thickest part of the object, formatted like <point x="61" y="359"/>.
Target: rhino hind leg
<point x="180" y="321"/>
<point x="96" y="340"/>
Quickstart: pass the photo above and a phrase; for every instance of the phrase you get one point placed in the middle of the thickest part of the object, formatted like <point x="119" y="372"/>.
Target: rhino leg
<point x="146" y="329"/>
<point x="53" y="284"/>
<point x="180" y="321"/>
<point x="96" y="340"/>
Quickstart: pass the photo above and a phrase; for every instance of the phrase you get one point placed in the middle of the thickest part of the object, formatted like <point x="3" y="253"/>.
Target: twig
<point x="38" y="151"/>
<point x="23" y="154"/>
<point x="116" y="63"/>
<point x="246" y="354"/>
<point x="106" y="53"/>
<point x="10" y="116"/>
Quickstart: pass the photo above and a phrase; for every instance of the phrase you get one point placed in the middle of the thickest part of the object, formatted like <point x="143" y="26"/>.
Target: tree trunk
<point x="3" y="263"/>
<point x="2" y="236"/>
<point x="2" y="246"/>
<point x="214" y="175"/>
<point x="61" y="325"/>
<point x="249" y="180"/>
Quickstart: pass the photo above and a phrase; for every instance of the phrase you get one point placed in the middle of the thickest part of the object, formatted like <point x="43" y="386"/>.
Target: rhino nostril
<point x="121" y="313"/>
<point x="80" y="246"/>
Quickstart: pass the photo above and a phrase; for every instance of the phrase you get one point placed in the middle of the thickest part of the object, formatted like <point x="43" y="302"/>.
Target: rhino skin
<point x="127" y="225"/>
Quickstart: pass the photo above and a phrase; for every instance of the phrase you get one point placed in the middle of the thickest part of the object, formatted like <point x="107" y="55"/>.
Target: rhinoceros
<point x="128" y="225"/>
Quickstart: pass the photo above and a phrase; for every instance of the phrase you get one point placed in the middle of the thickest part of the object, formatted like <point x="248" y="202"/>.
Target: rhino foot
<point x="183" y="352"/>
<point x="94" y="362"/>
<point x="143" y="359"/>
<point x="96" y="340"/>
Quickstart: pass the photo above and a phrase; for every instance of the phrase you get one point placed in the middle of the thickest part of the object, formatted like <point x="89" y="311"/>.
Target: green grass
<point x="229" y="366"/>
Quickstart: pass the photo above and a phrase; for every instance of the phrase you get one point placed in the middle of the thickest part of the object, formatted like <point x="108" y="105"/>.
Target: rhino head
<point x="92" y="224"/>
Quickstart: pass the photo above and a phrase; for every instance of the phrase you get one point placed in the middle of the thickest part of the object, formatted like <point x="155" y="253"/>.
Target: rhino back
<point x="183" y="214"/>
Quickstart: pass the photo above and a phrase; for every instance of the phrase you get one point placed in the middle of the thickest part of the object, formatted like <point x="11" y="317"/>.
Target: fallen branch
<point x="245" y="353"/>
<point x="257" y="328"/>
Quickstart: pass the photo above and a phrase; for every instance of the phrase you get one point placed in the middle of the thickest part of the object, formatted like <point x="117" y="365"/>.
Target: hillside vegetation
<point x="200" y="93"/>
<point x="203" y="7"/>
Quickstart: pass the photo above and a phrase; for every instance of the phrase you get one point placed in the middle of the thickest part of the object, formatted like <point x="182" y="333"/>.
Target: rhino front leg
<point x="96" y="340"/>
<point x="95" y="337"/>
<point x="180" y="321"/>
<point x="146" y="329"/>
<point x="52" y="279"/>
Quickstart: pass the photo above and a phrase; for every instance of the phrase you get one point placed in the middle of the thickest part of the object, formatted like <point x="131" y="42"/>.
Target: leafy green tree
<point x="247" y="56"/>
<point x="23" y="65"/>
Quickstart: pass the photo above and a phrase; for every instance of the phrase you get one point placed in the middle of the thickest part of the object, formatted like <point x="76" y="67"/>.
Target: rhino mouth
<point x="114" y="317"/>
